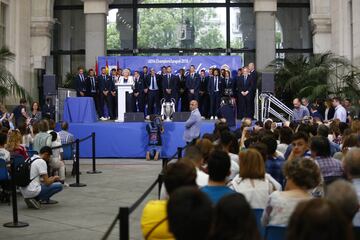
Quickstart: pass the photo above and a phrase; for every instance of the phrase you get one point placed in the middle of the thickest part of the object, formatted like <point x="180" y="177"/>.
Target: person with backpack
<point x="35" y="184"/>
<point x="154" y="130"/>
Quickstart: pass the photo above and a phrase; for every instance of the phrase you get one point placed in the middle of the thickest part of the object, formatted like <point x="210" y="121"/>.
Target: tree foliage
<point x="8" y="84"/>
<point x="113" y="37"/>
<point x="316" y="76"/>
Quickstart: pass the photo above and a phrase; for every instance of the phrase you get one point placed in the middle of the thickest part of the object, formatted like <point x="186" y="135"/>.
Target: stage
<point x="129" y="139"/>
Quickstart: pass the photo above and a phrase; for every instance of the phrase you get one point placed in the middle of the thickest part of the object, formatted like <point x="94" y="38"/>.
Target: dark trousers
<point x="153" y="99"/>
<point x="184" y="102"/>
<point x="245" y="107"/>
<point x="138" y="103"/>
<point x="95" y="97"/>
<point x="204" y="105"/>
<point x="215" y="98"/>
<point x="108" y="101"/>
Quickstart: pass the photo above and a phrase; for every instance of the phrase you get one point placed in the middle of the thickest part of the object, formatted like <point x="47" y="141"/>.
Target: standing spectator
<point x="19" y="113"/>
<point x="80" y="84"/>
<point x="192" y="125"/>
<point x="301" y="174"/>
<point x="219" y="169"/>
<point x="35" y="113"/>
<point x="14" y="144"/>
<point x="315" y="114"/>
<point x="330" y="168"/>
<point x="252" y="180"/>
<point x="329" y="110"/>
<point x="300" y="111"/>
<point x="48" y="110"/>
<point x="351" y="110"/>
<point x="234" y="219"/>
<point x="42" y="187"/>
<point x="190" y="214"/>
<point x="305" y="103"/>
<point x="318" y="219"/>
<point x="43" y="138"/>
<point x="340" y="111"/>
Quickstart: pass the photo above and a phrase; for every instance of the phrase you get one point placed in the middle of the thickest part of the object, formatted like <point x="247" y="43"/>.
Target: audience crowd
<point x="303" y="174"/>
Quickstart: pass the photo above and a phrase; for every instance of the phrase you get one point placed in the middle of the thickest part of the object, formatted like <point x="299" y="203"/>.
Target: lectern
<point x="122" y="89"/>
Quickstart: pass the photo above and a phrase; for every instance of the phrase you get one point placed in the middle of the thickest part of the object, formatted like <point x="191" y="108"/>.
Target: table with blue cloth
<point x="79" y="110"/>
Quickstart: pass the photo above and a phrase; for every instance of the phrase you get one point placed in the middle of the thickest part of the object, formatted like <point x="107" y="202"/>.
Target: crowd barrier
<point x="15" y="160"/>
<point x="124" y="212"/>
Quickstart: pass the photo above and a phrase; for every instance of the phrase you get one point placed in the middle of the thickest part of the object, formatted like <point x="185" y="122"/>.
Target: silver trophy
<point x="167" y="109"/>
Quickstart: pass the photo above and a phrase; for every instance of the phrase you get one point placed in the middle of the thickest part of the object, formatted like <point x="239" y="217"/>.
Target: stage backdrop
<point x="176" y="62"/>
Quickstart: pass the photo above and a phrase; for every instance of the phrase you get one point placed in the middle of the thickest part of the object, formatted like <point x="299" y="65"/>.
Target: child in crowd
<point x="154" y="130"/>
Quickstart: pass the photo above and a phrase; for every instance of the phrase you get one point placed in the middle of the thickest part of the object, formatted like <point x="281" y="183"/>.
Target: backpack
<point x="21" y="175"/>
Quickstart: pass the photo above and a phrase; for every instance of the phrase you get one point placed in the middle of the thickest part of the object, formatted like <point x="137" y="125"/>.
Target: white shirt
<point x="56" y="152"/>
<point x="5" y="154"/>
<point x="202" y="179"/>
<point x="38" y="168"/>
<point x="340" y="113"/>
<point x="234" y="167"/>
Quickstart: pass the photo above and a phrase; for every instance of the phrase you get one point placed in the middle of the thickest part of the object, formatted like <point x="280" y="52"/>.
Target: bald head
<point x="296" y="103"/>
<point x="193" y="105"/>
<point x="351" y="163"/>
<point x="251" y="66"/>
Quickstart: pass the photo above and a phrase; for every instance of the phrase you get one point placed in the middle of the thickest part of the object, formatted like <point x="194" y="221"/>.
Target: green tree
<point x="8" y="84"/>
<point x="113" y="37"/>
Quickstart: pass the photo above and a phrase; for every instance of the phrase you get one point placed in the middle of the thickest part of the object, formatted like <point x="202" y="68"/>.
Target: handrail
<point x="266" y="100"/>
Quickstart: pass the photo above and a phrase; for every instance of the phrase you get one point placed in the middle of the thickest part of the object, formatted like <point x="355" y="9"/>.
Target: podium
<point x="122" y="89"/>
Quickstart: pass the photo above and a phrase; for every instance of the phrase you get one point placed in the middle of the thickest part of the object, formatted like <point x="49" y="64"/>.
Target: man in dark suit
<point x="183" y="91"/>
<point x="253" y="79"/>
<point x="193" y="84"/>
<point x="244" y="88"/>
<point x="203" y="94"/>
<point x="80" y="83"/>
<point x="228" y="85"/>
<point x="214" y="89"/>
<point x="92" y="89"/>
<point x="106" y="86"/>
<point x="144" y="73"/>
<point x="138" y="96"/>
<point x="153" y="88"/>
<point x="170" y="86"/>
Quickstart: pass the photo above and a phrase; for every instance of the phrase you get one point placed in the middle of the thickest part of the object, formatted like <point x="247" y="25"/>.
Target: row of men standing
<point x="149" y="88"/>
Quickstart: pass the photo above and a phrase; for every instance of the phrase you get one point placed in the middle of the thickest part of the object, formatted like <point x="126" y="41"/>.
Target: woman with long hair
<point x="14" y="144"/>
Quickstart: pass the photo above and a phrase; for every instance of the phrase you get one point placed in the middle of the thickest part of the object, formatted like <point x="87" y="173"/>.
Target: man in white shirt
<point x="42" y="187"/>
<point x="340" y="111"/>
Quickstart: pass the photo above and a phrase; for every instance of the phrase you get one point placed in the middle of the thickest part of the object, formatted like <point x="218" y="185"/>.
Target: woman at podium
<point x="127" y="79"/>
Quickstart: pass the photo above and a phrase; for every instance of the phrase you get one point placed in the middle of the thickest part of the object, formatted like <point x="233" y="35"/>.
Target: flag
<point x="96" y="68"/>
<point x="107" y="67"/>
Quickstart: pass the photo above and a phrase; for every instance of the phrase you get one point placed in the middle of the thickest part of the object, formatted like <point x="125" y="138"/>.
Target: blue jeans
<point x="47" y="191"/>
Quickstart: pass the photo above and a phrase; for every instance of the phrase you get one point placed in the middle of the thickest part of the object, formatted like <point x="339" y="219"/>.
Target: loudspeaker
<point x="49" y="85"/>
<point x="267" y="82"/>
<point x="134" y="117"/>
<point x="181" y="116"/>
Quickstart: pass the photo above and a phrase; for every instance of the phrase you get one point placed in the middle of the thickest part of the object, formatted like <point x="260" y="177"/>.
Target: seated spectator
<point x="229" y="142"/>
<point x="42" y="187"/>
<point x="318" y="219"/>
<point x="4" y="154"/>
<point x="349" y="142"/>
<point x="234" y="219"/>
<point x="274" y="162"/>
<point x="342" y="194"/>
<point x="194" y="154"/>
<point x="43" y="138"/>
<point x="219" y="169"/>
<point x="252" y="180"/>
<point x="285" y="139"/>
<point x="330" y="168"/>
<point x="56" y="163"/>
<point x="299" y="146"/>
<point x="355" y="126"/>
<point x="5" y="117"/>
<point x="323" y="131"/>
<point x="351" y="165"/>
<point x="14" y="144"/>
<point x="27" y="136"/>
<point x="190" y="214"/>
<point x="205" y="146"/>
<point x="154" y="223"/>
<point x="302" y="175"/>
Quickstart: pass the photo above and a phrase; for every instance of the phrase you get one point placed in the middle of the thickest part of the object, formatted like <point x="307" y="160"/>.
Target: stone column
<point x="265" y="32"/>
<point x="321" y="25"/>
<point x="356" y="32"/>
<point x="95" y="30"/>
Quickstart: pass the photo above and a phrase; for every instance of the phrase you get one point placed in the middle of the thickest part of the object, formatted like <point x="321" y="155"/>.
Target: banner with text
<point x="176" y="62"/>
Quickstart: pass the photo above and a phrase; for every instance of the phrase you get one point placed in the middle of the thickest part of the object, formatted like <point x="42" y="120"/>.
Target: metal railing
<point x="268" y="102"/>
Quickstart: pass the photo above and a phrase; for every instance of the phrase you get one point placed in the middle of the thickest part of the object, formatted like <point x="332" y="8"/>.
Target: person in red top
<point x="14" y="144"/>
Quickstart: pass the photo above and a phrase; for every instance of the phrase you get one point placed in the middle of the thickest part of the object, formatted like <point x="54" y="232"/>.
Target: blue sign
<point x="176" y="62"/>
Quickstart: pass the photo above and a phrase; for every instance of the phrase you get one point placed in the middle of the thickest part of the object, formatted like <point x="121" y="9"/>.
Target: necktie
<point x="168" y="80"/>
<point x="227" y="82"/>
<point x="81" y="77"/>
<point x="93" y="84"/>
<point x="216" y="84"/>
<point x="152" y="83"/>
<point x="245" y="77"/>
